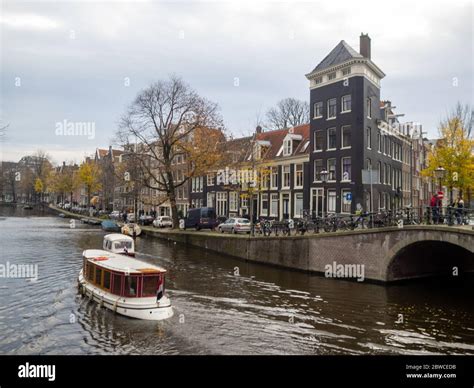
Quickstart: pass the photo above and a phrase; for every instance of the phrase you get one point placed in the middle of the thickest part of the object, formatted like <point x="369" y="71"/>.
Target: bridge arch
<point x="430" y="254"/>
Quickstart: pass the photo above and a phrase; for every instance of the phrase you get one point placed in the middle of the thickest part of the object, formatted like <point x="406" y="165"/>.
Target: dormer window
<point x="331" y="76"/>
<point x="287" y="147"/>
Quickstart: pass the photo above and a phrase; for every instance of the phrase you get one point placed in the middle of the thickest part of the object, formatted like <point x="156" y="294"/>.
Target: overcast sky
<point x="85" y="62"/>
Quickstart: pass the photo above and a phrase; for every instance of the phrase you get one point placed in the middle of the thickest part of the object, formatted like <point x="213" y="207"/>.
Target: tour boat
<point x="128" y="229"/>
<point x="119" y="243"/>
<point x="125" y="285"/>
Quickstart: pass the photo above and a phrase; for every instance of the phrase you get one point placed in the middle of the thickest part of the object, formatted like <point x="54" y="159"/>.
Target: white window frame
<point x="287" y="147"/>
<point x="332" y="200"/>
<point x="368" y="104"/>
<point x="274" y="178"/>
<point x="299" y="173"/>
<point x="233" y="201"/>
<point x="295" y="213"/>
<point x="210" y="179"/>
<point x="272" y="201"/>
<point x="342" y="137"/>
<point x="335" y="110"/>
<point x="329" y="171"/>
<point x="342" y="103"/>
<point x="287" y="166"/>
<point x="319" y="104"/>
<point x="315" y="143"/>
<point x="342" y="169"/>
<point x="314" y="169"/>
<point x="264" y="198"/>
<point x="327" y="139"/>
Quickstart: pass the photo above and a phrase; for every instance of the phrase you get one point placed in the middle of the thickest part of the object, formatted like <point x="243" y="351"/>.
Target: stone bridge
<point x="387" y="254"/>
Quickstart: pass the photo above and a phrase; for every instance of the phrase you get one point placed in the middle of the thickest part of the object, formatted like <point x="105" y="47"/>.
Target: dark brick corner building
<point x="350" y="133"/>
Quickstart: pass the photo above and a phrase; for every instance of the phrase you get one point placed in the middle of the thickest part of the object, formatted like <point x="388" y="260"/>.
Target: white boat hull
<point x="139" y="308"/>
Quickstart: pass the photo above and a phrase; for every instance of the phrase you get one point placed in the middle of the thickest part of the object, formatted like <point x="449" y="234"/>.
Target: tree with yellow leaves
<point x="454" y="151"/>
<point x="89" y="175"/>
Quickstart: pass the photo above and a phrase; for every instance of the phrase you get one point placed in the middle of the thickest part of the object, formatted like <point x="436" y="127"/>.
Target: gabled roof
<point x="339" y="54"/>
<point x="276" y="140"/>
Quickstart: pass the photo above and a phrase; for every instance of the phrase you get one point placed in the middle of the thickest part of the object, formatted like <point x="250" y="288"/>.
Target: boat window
<point x="117" y="285"/>
<point x="107" y="280"/>
<point x="98" y="276"/>
<point x="123" y="244"/>
<point x="131" y="285"/>
<point x="150" y="285"/>
<point x="90" y="272"/>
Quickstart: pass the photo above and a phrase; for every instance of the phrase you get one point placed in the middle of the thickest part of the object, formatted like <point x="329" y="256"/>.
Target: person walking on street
<point x="434" y="204"/>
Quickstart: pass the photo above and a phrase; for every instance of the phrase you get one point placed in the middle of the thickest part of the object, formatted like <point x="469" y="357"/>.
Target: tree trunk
<point x="172" y="199"/>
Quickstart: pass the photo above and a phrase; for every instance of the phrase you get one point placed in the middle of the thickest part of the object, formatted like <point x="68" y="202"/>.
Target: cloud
<point x="75" y="67"/>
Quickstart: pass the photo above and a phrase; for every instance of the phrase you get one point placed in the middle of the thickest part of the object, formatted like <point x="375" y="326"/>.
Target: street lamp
<point x="440" y="172"/>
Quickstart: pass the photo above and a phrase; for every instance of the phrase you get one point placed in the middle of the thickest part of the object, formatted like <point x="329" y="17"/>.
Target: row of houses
<point x="355" y="153"/>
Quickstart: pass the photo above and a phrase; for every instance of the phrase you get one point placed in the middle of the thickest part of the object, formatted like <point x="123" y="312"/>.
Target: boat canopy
<point x="120" y="263"/>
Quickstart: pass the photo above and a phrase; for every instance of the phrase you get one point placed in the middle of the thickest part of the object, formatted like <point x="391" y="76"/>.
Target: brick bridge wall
<point x="378" y="250"/>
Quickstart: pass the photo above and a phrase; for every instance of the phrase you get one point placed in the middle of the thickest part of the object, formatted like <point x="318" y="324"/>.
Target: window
<point x="90" y="272"/>
<point x="318" y="80"/>
<point x="274" y="178"/>
<point x="274" y="205"/>
<point x="369" y="137"/>
<point x="233" y="201"/>
<point x="131" y="285"/>
<point x="286" y="177"/>
<point x="368" y="164"/>
<point x="287" y="147"/>
<point x="117" y="285"/>
<point x="380" y="172"/>
<point x="221" y="204"/>
<point x="332" y="169"/>
<point x="346" y="71"/>
<point x="331" y="76"/>
<point x="150" y="285"/>
<point x="98" y="276"/>
<point x="346" y="136"/>
<point x="346" y="103"/>
<point x="107" y="280"/>
<point x="331" y="201"/>
<point x="331" y="138"/>
<point x="299" y="175"/>
<point x="332" y="108"/>
<point x="318" y="140"/>
<point x="264" y="207"/>
<point x="318" y="109"/>
<point x="210" y="180"/>
<point x="346" y="169"/>
<point x="345" y="203"/>
<point x="369" y="108"/>
<point x="379" y="141"/>
<point x="318" y="167"/>
<point x="298" y="206"/>
<point x="210" y="199"/>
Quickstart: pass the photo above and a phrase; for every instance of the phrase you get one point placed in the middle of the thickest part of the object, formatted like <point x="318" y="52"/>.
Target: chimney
<point x="258" y="129"/>
<point x="364" y="45"/>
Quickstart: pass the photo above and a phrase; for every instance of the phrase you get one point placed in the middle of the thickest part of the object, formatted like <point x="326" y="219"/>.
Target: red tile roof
<point x="276" y="139"/>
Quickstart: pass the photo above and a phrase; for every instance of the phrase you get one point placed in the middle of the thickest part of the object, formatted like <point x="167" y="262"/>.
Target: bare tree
<point x="169" y="120"/>
<point x="288" y="112"/>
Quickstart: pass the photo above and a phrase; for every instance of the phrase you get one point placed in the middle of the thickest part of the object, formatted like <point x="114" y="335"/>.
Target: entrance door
<point x="317" y="202"/>
<point x="255" y="208"/>
<point x="286" y="206"/>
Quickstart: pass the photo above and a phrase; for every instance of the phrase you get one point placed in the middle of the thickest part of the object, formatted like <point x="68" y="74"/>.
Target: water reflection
<point x="259" y="310"/>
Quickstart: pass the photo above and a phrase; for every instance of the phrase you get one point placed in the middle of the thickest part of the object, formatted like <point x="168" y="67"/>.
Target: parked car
<point x="130" y="217"/>
<point x="67" y="206"/>
<point x="145" y="220"/>
<point x="115" y="215"/>
<point x="201" y="218"/>
<point x="163" y="222"/>
<point x="235" y="225"/>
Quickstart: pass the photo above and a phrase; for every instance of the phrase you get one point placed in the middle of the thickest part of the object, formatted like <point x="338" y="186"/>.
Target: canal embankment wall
<point x="374" y="249"/>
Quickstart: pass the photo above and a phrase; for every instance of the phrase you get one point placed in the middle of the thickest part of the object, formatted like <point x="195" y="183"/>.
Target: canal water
<point x="222" y="305"/>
